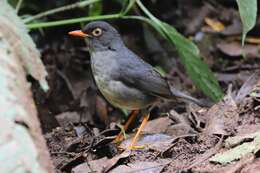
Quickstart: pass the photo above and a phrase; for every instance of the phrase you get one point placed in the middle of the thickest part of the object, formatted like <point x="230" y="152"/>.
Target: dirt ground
<point x="80" y="125"/>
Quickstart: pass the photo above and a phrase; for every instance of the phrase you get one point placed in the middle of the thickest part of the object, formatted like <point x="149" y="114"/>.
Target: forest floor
<point x="80" y="125"/>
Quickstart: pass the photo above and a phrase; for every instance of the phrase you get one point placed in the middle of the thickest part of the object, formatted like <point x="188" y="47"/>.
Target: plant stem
<point x="90" y="18"/>
<point x="128" y="8"/>
<point x="60" y="9"/>
<point x="157" y="24"/>
<point x="146" y="11"/>
<point x="85" y="19"/>
<point x="71" y="21"/>
<point x="141" y="18"/>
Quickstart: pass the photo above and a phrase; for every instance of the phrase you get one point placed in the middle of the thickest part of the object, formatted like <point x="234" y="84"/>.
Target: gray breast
<point x="104" y="68"/>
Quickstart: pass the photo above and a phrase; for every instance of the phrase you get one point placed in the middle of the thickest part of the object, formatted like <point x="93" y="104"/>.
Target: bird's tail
<point x="180" y="94"/>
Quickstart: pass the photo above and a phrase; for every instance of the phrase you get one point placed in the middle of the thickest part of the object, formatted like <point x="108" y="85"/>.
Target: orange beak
<point x="78" y="33"/>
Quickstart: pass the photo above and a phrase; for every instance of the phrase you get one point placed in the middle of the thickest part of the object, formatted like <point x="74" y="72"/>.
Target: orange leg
<point x="133" y="143"/>
<point x="132" y="116"/>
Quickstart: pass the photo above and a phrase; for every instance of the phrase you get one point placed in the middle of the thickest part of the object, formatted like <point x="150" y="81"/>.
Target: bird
<point x="123" y="78"/>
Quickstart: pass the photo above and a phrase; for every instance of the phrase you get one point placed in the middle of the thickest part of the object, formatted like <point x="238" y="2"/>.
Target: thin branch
<point x="60" y="9"/>
<point x="71" y="21"/>
<point x="146" y="11"/>
<point x="82" y="19"/>
<point x="85" y="19"/>
<point x="128" y="7"/>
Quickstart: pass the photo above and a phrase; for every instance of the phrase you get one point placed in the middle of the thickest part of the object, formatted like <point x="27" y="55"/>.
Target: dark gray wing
<point x="136" y="73"/>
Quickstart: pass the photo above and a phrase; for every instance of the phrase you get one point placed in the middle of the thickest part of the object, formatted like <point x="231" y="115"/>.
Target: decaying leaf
<point x="66" y="118"/>
<point x="238" y="152"/>
<point x="111" y="163"/>
<point x="92" y="166"/>
<point x="232" y="141"/>
<point x="142" y="167"/>
<point x="222" y="118"/>
<point x="234" y="49"/>
<point x="252" y="168"/>
<point x="101" y="165"/>
<point x="152" y="126"/>
<point x="157" y="142"/>
<point x="247" y="87"/>
<point x="173" y="125"/>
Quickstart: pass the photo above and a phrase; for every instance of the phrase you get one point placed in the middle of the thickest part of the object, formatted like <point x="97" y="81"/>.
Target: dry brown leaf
<point x="235" y="49"/>
<point x="222" y="118"/>
<point x="247" y="87"/>
<point x="142" y="167"/>
<point x="113" y="162"/>
<point x="252" y="40"/>
<point x="66" y="118"/>
<point x="92" y="166"/>
<point x="252" y="168"/>
<point x="157" y="142"/>
<point x="152" y="126"/>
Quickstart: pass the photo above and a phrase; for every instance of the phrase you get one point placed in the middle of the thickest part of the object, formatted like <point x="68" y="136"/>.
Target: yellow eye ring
<point x="97" y="32"/>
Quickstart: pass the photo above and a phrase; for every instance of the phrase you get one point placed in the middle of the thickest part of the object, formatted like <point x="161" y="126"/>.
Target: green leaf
<point x="196" y="68"/>
<point x="95" y="9"/>
<point x="179" y="40"/>
<point x="201" y="74"/>
<point x="248" y="12"/>
<point x="189" y="54"/>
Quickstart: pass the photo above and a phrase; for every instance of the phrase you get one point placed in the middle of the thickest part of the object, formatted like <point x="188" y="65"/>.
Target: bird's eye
<point x="97" y="32"/>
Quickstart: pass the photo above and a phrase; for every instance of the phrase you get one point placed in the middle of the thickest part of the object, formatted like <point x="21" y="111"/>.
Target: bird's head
<point x="100" y="34"/>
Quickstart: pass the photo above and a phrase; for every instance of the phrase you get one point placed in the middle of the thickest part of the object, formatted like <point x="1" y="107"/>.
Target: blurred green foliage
<point x="95" y="9"/>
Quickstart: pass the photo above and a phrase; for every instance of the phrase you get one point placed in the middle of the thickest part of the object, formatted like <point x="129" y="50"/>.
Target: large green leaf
<point x="248" y="11"/>
<point x="196" y="68"/>
<point x="189" y="54"/>
<point x="179" y="40"/>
